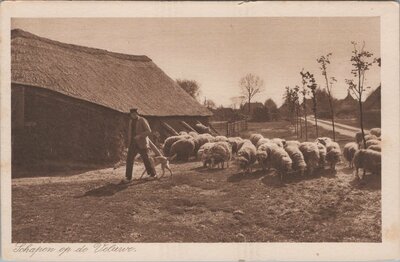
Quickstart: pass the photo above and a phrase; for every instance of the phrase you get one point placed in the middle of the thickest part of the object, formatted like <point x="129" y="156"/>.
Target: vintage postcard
<point x="207" y="131"/>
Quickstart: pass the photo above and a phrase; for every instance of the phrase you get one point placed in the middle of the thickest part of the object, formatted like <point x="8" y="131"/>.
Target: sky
<point x="217" y="52"/>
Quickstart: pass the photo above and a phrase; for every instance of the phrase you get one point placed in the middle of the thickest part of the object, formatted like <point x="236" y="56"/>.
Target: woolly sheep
<point x="183" y="133"/>
<point x="297" y="157"/>
<point x="367" y="159"/>
<point x="359" y="137"/>
<point x="311" y="155"/>
<point x="234" y="142"/>
<point x="193" y="134"/>
<point x="202" y="129"/>
<point x="278" y="141"/>
<point x="370" y="137"/>
<point x="263" y="152"/>
<point x="281" y="161"/>
<point x="349" y="151"/>
<point x="182" y="149"/>
<point x="204" y="153"/>
<point x="220" y="152"/>
<point x="323" y="140"/>
<point x="373" y="142"/>
<point x="375" y="131"/>
<point x="221" y="139"/>
<point x="246" y="156"/>
<point x="333" y="154"/>
<point x="322" y="154"/>
<point x="375" y="148"/>
<point x="242" y="142"/>
<point x="254" y="138"/>
<point x="199" y="141"/>
<point x="169" y="141"/>
<point x="262" y="141"/>
<point x="292" y="143"/>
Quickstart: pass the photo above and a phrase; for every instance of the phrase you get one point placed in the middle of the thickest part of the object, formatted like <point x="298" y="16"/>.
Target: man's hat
<point x="133" y="110"/>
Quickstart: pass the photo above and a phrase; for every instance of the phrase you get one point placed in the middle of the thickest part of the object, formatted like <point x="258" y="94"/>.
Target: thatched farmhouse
<point x="71" y="103"/>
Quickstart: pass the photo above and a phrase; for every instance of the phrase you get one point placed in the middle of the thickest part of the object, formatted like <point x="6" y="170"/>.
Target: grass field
<point x="198" y="205"/>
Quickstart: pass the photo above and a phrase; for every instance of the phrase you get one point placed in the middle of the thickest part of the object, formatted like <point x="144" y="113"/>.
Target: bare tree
<point x="210" y="104"/>
<point x="288" y="97"/>
<point x="190" y="86"/>
<point x="324" y="61"/>
<point x="251" y="85"/>
<point x="304" y="92"/>
<point x="296" y="98"/>
<point x="312" y="86"/>
<point x="362" y="61"/>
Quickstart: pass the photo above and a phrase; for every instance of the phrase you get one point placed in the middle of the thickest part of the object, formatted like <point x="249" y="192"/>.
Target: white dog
<point x="159" y="160"/>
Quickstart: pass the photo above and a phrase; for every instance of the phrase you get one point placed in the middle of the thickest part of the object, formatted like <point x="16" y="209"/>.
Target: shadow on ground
<point x="110" y="189"/>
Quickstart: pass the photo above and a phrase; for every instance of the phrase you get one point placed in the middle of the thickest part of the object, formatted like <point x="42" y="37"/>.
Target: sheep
<point x="323" y="140"/>
<point x="373" y="142"/>
<point x="220" y="153"/>
<point x="278" y="141"/>
<point x="281" y="161"/>
<point x="221" y="139"/>
<point x="241" y="143"/>
<point x="246" y="156"/>
<point x="292" y="143"/>
<point x="262" y="141"/>
<point x="202" y="129"/>
<point x="348" y="152"/>
<point x="199" y="141"/>
<point x="183" y="133"/>
<point x="169" y="141"/>
<point x="234" y="142"/>
<point x="370" y="137"/>
<point x="263" y="152"/>
<point x="204" y="153"/>
<point x="311" y="155"/>
<point x="375" y="148"/>
<point x="298" y="165"/>
<point x="193" y="134"/>
<point x="367" y="159"/>
<point x="254" y="138"/>
<point x="322" y="154"/>
<point x="182" y="149"/>
<point x="359" y="137"/>
<point x="375" y="131"/>
<point x="333" y="154"/>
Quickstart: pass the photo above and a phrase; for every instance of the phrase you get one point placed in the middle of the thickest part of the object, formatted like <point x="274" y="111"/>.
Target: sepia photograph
<point x="227" y="129"/>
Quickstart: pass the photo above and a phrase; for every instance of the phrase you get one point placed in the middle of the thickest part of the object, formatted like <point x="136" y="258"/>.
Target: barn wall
<point x="51" y="127"/>
<point x="58" y="128"/>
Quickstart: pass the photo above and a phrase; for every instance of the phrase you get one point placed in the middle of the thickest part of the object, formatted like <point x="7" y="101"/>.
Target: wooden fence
<point x="229" y="128"/>
<point x="234" y="128"/>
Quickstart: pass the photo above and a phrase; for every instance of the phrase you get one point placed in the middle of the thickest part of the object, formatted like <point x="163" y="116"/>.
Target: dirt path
<point x="342" y="129"/>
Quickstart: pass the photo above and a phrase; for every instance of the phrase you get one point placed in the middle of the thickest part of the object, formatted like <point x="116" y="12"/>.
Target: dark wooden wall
<point x="55" y="127"/>
<point x="47" y="126"/>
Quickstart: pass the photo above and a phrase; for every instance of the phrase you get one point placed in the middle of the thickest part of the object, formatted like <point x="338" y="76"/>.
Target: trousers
<point x="133" y="150"/>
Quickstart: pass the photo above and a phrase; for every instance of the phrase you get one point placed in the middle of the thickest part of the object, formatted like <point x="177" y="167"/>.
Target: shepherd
<point x="138" y="132"/>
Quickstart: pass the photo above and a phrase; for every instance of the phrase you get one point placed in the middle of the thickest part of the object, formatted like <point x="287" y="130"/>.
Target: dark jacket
<point x="140" y="129"/>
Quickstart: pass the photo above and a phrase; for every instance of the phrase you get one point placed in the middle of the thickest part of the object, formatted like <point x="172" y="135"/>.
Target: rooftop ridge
<point x="91" y="50"/>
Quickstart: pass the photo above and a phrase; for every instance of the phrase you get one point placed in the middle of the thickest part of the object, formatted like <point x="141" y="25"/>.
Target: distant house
<point x="347" y="106"/>
<point x="253" y="106"/>
<point x="373" y="101"/>
<point x="71" y="102"/>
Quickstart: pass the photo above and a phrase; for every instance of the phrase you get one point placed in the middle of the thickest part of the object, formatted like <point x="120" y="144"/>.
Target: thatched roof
<point x="116" y="81"/>
<point x="373" y="101"/>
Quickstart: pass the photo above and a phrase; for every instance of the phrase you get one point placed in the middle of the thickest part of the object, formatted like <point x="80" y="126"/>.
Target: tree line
<point x="296" y="98"/>
<point x="299" y="97"/>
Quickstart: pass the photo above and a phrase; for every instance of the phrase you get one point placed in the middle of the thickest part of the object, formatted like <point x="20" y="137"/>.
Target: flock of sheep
<point x="368" y="158"/>
<point x="283" y="156"/>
